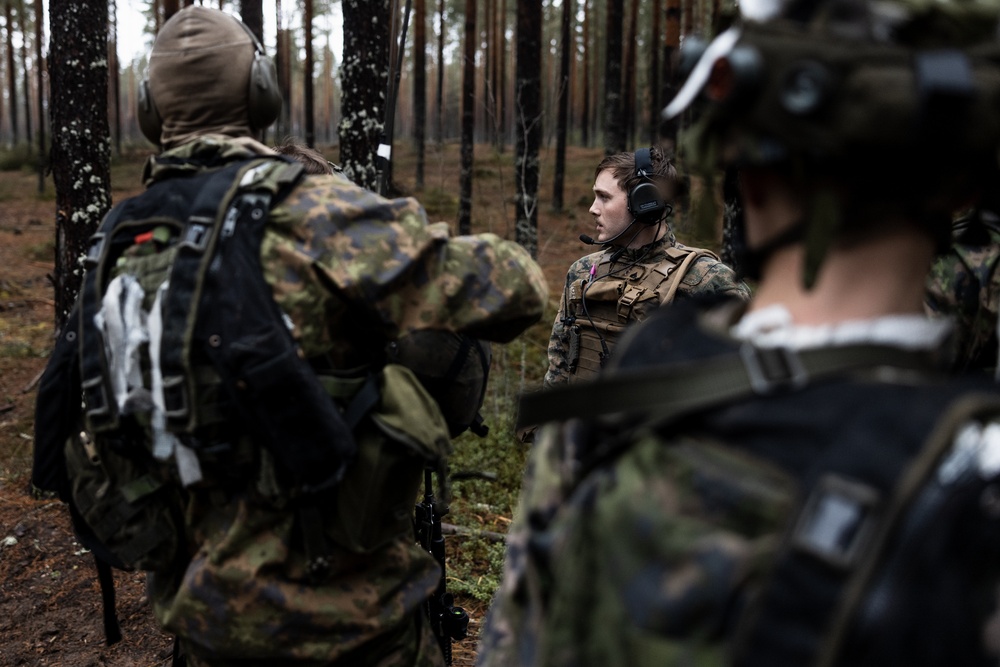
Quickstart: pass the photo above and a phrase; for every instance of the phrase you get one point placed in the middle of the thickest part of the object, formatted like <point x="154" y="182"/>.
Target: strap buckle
<point x="770" y="368"/>
<point x="197" y="234"/>
<point x="837" y="521"/>
<point x="175" y="398"/>
<point x="95" y="250"/>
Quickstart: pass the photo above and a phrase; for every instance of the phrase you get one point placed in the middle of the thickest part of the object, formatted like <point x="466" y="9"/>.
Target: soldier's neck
<point x="881" y="276"/>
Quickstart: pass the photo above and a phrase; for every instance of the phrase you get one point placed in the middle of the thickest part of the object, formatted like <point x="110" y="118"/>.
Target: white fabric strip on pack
<point x="166" y="444"/>
<point x="122" y="323"/>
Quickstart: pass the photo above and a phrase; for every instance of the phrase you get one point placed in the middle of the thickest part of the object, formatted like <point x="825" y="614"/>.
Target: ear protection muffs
<point x="263" y="101"/>
<point x="645" y="201"/>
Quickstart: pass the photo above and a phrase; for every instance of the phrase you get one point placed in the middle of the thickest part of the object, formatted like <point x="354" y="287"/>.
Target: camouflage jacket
<point x="351" y="270"/>
<point x="964" y="284"/>
<point x="603" y="280"/>
<point x="643" y="544"/>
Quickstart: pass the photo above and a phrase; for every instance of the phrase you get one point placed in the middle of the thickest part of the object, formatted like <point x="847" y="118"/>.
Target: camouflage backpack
<point x="190" y="379"/>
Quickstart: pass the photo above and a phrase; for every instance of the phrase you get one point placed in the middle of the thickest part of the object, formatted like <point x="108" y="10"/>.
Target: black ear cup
<point x="645" y="201"/>
<point x="149" y="118"/>
<point x="265" y="95"/>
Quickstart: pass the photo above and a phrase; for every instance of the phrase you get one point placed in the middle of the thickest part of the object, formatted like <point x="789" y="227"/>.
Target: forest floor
<point x="50" y="600"/>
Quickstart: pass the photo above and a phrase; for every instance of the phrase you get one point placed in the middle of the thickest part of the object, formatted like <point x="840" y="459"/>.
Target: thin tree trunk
<point x="563" y="114"/>
<point x="252" y="14"/>
<point x="628" y="87"/>
<point x="11" y="73"/>
<point x="654" y="88"/>
<point x="671" y="43"/>
<point x="115" y="101"/>
<point x="40" y="73"/>
<point x="80" y="145"/>
<point x="440" y="79"/>
<point x="502" y="84"/>
<point x="307" y="80"/>
<point x="468" y="119"/>
<point x="614" y="131"/>
<point x="26" y="76"/>
<point x="585" y="95"/>
<point x="420" y="85"/>
<point x="170" y="7"/>
<point x="527" y="102"/>
<point x="284" y="68"/>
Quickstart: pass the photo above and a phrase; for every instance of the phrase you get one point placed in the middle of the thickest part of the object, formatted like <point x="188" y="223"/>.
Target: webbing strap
<point x="209" y="209"/>
<point x="112" y="630"/>
<point x="206" y="210"/>
<point x="670" y="391"/>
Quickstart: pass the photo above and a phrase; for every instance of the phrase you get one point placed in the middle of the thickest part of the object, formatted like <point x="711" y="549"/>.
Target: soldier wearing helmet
<point x="277" y="563"/>
<point x="798" y="480"/>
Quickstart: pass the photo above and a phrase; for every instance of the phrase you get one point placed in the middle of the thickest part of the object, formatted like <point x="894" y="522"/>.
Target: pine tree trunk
<point x="80" y="139"/>
<point x="440" y="72"/>
<point x="364" y="77"/>
<point x="40" y="74"/>
<point x="528" y="121"/>
<point x="468" y="119"/>
<point x="655" y="99"/>
<point x="26" y="76"/>
<point x="630" y="72"/>
<point x="614" y="130"/>
<point x="563" y="113"/>
<point x="252" y="14"/>
<point x="420" y="85"/>
<point x="115" y="101"/>
<point x="170" y="7"/>
<point x="502" y="81"/>
<point x="307" y="77"/>
<point x="11" y="74"/>
<point x="672" y="40"/>
<point x="585" y="94"/>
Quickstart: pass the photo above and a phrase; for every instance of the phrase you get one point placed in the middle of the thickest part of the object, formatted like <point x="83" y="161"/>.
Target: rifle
<point x="448" y="622"/>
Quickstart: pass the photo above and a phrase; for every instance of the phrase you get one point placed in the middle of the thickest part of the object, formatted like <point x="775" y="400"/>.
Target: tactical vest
<point x="601" y="306"/>
<point x="821" y="509"/>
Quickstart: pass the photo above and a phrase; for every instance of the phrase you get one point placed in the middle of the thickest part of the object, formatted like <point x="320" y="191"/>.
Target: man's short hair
<point x="622" y="168"/>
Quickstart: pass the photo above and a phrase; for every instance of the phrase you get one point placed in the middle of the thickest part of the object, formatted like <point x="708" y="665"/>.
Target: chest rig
<point x="601" y="305"/>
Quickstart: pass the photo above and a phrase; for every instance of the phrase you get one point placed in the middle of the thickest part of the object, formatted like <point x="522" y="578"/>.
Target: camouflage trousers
<point x="411" y="645"/>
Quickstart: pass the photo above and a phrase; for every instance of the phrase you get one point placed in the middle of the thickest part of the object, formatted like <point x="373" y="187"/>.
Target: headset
<point x="645" y="201"/>
<point x="263" y="101"/>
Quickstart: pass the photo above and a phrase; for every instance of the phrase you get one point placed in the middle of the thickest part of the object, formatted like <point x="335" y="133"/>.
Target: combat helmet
<point x="898" y="99"/>
<point x="208" y="73"/>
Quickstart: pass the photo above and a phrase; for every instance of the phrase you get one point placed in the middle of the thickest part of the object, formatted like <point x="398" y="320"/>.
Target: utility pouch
<point x="403" y="433"/>
<point x="126" y="501"/>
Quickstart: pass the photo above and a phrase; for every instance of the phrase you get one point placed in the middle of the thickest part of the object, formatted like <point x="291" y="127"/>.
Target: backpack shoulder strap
<point x="670" y="391"/>
<point x="686" y="257"/>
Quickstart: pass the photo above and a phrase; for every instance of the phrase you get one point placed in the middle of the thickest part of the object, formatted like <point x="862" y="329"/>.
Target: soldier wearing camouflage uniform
<point x="640" y="268"/>
<point x="351" y="271"/>
<point x="797" y="481"/>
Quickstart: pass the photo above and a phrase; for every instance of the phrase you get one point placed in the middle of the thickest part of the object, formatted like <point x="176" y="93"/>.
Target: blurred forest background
<point x="498" y="111"/>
